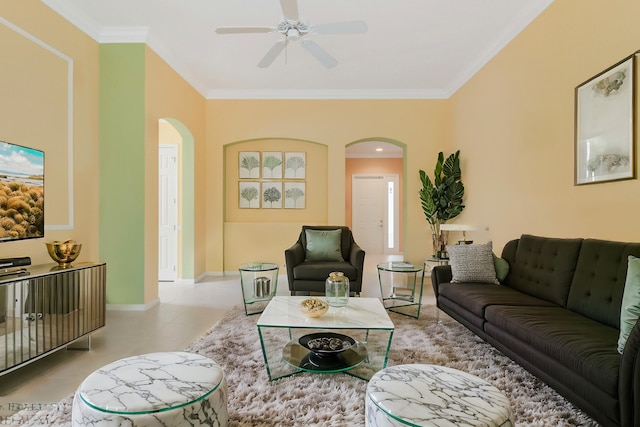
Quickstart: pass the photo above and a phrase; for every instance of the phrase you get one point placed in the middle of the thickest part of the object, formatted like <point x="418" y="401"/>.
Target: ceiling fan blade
<point x="272" y="54"/>
<point x="319" y="53"/>
<point x="290" y="9"/>
<point x="243" y="30"/>
<point x="350" y="27"/>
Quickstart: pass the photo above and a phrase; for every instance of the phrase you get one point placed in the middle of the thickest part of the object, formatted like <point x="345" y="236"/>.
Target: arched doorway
<point x="374" y="194"/>
<point x="173" y="133"/>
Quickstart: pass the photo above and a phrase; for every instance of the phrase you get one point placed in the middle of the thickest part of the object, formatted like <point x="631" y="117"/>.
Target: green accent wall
<point x="122" y="175"/>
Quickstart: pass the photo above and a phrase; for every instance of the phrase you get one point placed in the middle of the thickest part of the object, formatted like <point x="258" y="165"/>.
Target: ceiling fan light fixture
<point x="294" y="28"/>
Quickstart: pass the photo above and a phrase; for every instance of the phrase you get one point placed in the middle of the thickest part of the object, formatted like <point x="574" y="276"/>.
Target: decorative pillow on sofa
<point x="630" y="301"/>
<point x="502" y="267"/>
<point x="324" y="245"/>
<point x="472" y="263"/>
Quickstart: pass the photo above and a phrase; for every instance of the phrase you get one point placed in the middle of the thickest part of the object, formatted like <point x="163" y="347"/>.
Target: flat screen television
<point x="21" y="192"/>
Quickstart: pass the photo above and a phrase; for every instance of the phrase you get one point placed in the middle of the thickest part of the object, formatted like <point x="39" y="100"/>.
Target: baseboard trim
<point x="133" y="307"/>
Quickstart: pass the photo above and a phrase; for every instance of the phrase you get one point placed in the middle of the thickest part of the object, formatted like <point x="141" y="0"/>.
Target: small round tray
<point x="347" y="342"/>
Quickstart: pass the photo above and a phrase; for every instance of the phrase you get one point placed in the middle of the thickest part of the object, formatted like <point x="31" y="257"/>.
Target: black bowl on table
<point x="326" y="343"/>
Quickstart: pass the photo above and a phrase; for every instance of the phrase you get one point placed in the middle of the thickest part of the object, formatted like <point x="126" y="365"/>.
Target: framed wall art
<point x="271" y="165"/>
<point x="249" y="194"/>
<point x="295" y="165"/>
<point x="272" y="180"/>
<point x="249" y="164"/>
<point x="294" y="195"/>
<point x="605" y="125"/>
<point x="271" y="194"/>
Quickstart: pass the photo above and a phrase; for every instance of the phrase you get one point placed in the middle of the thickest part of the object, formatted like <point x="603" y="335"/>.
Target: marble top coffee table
<point x="364" y="322"/>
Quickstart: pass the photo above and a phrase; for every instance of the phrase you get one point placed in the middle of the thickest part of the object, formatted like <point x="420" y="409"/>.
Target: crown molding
<point x="123" y="35"/>
<point x="327" y="94"/>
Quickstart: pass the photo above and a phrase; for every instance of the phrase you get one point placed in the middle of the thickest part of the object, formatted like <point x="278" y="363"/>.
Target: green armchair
<point x="319" y="251"/>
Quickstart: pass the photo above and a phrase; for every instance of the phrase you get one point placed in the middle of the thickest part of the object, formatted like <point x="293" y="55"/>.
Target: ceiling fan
<point x="293" y="28"/>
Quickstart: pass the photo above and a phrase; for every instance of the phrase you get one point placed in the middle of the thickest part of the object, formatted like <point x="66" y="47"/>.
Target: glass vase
<point x="337" y="289"/>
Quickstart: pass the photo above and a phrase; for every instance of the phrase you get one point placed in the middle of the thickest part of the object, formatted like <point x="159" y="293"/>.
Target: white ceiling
<point x="413" y="49"/>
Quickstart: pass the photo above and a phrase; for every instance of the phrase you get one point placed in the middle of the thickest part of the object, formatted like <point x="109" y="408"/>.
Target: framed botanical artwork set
<point x="605" y="125"/>
<point x="272" y="179"/>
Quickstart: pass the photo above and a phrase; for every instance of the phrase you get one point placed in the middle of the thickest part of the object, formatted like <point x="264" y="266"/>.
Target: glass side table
<point x="259" y="283"/>
<point x="401" y="287"/>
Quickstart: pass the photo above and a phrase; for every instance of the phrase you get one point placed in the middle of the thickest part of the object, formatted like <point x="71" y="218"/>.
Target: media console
<point x="44" y="308"/>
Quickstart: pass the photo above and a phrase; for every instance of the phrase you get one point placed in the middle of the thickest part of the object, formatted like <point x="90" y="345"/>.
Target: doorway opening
<point x="375" y="206"/>
<point x="168" y="213"/>
<point x="374" y="171"/>
<point x="176" y="202"/>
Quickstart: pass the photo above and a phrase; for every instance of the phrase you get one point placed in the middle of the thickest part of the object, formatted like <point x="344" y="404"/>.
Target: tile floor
<point x="185" y="312"/>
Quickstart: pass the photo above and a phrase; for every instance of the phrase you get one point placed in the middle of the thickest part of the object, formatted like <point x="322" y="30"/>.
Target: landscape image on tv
<point x="21" y="192"/>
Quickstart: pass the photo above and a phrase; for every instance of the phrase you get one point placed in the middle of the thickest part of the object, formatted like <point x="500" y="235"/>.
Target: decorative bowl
<point x="64" y="253"/>
<point x="314" y="307"/>
<point x="326" y="343"/>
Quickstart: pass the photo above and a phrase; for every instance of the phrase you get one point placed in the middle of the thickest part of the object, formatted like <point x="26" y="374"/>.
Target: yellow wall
<point x="514" y="125"/>
<point x="34" y="113"/>
<point x="423" y="125"/>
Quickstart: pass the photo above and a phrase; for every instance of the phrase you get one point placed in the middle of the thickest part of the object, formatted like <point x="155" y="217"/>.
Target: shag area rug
<point x="338" y="399"/>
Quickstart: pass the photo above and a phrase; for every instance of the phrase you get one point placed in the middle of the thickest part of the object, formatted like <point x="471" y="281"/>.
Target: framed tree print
<point x="294" y="195"/>
<point x="249" y="194"/>
<point x="271" y="194"/>
<point x="605" y="125"/>
<point x="272" y="165"/>
<point x="249" y="164"/>
<point x="295" y="165"/>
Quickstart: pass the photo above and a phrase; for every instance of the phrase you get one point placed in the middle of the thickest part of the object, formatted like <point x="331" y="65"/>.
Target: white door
<point x="168" y="213"/>
<point x="374" y="213"/>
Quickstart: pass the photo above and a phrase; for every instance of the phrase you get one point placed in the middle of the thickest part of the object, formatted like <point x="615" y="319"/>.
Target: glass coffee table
<point x="363" y="325"/>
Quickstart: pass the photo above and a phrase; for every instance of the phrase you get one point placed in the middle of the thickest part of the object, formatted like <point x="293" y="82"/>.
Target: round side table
<point x="259" y="283"/>
<point x="401" y="286"/>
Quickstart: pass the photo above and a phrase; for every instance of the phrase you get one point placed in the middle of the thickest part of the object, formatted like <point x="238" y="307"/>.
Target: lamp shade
<point x="462" y="227"/>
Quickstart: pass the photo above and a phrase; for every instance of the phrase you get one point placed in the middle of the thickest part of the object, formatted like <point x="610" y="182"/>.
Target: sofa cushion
<point x="476" y="298"/>
<point x="630" y="311"/>
<point x="584" y="346"/>
<point x="598" y="283"/>
<point x="544" y="267"/>
<point x="472" y="263"/>
<point x="323" y="245"/>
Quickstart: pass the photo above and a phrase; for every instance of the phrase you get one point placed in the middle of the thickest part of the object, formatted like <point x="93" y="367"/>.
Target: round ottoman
<point x="429" y="395"/>
<point x="157" y="389"/>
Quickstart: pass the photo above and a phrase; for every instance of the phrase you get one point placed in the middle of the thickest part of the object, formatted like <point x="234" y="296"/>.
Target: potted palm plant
<point x="441" y="198"/>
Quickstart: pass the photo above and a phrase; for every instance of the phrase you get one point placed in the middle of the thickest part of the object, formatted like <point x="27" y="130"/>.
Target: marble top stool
<point x="157" y="389"/>
<point x="429" y="395"/>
